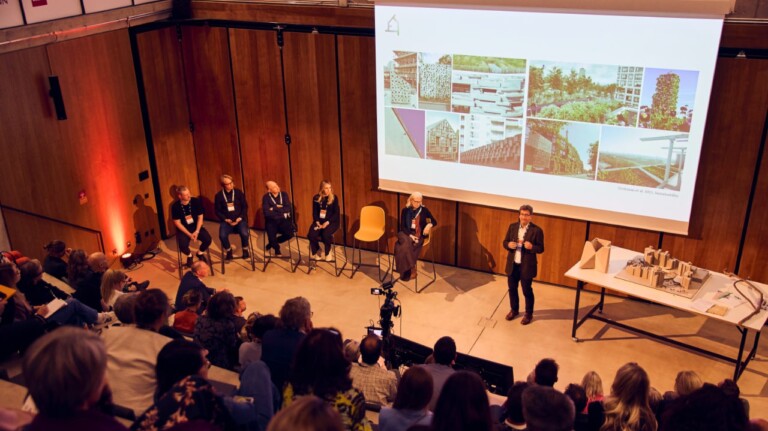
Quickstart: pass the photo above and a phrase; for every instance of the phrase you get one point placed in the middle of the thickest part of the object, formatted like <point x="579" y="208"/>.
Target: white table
<point x="619" y="258"/>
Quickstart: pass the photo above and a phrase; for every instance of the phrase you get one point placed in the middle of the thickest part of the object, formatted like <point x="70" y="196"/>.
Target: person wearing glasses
<point x="277" y="216"/>
<point x="524" y="240"/>
<point x="232" y="209"/>
<point x="325" y="221"/>
<point x="416" y="223"/>
<point x="187" y="214"/>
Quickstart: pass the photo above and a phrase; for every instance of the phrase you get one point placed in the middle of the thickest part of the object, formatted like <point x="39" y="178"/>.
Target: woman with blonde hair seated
<point x="325" y="221"/>
<point x="627" y="408"/>
<point x="416" y="223"/>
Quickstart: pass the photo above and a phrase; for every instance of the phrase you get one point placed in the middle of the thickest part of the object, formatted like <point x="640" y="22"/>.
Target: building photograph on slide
<point x="488" y="85"/>
<point x="642" y="157"/>
<point x="434" y="81"/>
<point x="442" y="136"/>
<point x="490" y="141"/>
<point x="400" y="79"/>
<point x="667" y="100"/>
<point x="592" y="93"/>
<point x="404" y="132"/>
<point x="562" y="148"/>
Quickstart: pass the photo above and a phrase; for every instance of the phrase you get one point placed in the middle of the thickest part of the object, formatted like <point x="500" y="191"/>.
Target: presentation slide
<point x="595" y="117"/>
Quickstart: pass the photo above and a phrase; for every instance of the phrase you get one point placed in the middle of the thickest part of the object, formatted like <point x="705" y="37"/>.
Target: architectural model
<point x="658" y="269"/>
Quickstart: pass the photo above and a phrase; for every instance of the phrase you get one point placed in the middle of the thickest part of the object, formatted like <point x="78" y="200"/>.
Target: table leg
<point x="579" y="286"/>
<point x="602" y="300"/>
<point x="739" y="366"/>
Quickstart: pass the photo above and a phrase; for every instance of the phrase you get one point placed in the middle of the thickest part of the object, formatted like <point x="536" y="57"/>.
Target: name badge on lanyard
<point x="189" y="219"/>
<point x="230" y="206"/>
<point x="415" y="219"/>
<point x="322" y="214"/>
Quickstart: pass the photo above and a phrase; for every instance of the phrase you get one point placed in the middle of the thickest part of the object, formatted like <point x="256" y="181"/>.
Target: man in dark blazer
<point x="524" y="241"/>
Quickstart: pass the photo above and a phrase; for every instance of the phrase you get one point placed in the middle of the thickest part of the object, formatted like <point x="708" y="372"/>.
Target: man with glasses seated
<point x="416" y="222"/>
<point x="277" y="216"/>
<point x="232" y="209"/>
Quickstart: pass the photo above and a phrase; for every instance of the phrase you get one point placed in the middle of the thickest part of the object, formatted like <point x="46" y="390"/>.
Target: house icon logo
<point x="393" y="25"/>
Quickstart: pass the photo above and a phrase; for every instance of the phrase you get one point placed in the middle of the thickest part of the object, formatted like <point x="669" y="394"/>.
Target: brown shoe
<point x="512" y="314"/>
<point x="526" y="319"/>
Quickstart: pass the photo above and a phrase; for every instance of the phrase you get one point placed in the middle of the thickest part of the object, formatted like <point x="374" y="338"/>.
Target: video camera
<point x="388" y="309"/>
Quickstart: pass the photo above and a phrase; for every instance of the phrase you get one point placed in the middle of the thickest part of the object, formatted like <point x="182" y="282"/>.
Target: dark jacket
<point x="220" y="205"/>
<point x="529" y="265"/>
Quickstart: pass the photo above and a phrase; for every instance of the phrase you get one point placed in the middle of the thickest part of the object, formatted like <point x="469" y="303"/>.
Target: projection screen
<point x="589" y="116"/>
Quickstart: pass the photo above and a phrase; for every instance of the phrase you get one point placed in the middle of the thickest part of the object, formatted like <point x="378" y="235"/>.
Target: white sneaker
<point x="104" y="318"/>
<point x="329" y="257"/>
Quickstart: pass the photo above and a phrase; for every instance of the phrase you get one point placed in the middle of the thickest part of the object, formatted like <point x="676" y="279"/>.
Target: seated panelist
<point x="232" y="209"/>
<point x="277" y="216"/>
<point x="325" y="221"/>
<point x="416" y="223"/>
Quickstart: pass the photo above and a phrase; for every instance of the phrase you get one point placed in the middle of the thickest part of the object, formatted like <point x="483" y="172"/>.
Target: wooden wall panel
<point x="756" y="244"/>
<point x="31" y="233"/>
<point x="212" y="108"/>
<point x="258" y="82"/>
<point x="30" y="141"/>
<point x="731" y="142"/>
<point x="165" y="95"/>
<point x="313" y="118"/>
<point x="357" y="90"/>
<point x="104" y="134"/>
<point x="633" y="239"/>
<point x="444" y="239"/>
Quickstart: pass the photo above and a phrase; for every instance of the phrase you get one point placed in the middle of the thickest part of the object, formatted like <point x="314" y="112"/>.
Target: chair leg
<point x="178" y="258"/>
<point x="223" y="258"/>
<point x="434" y="272"/>
<point x="251" y="251"/>
<point x="213" y="271"/>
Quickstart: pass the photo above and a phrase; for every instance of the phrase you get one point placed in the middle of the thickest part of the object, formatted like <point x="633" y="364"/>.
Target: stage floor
<point x="470" y="307"/>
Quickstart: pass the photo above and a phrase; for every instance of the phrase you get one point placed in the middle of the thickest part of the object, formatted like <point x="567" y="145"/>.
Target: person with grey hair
<point x="232" y="210"/>
<point x="187" y="214"/>
<point x="278" y="211"/>
<point x="546" y="409"/>
<point x="65" y="374"/>
<point x="378" y="384"/>
<point x="193" y="280"/>
<point x="416" y="223"/>
<point x="88" y="289"/>
<point x="123" y="308"/>
<point x="279" y="345"/>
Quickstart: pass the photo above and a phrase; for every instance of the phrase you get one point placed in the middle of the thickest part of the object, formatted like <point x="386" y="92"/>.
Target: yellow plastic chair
<point x="372" y="228"/>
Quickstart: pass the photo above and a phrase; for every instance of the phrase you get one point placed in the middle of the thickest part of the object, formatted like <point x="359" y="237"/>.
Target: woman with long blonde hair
<point x="112" y="283"/>
<point x="325" y="221"/>
<point x="627" y="408"/>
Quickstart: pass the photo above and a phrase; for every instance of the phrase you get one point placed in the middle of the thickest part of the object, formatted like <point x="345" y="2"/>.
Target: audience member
<point x="444" y="355"/>
<point x="685" y="383"/>
<point x="255" y="327"/>
<point x="410" y="406"/>
<point x="593" y="385"/>
<point x="546" y="409"/>
<point x="112" y="283"/>
<point x="193" y="280"/>
<point x="463" y="404"/>
<point x="707" y="409"/>
<point x="352" y="351"/>
<point x="279" y="345"/>
<point x="217" y="330"/>
<point x="54" y="263"/>
<point x="731" y="388"/>
<point x="545" y="373"/>
<point x="132" y="351"/>
<point x="512" y="417"/>
<point x="35" y="289"/>
<point x="627" y="407"/>
<point x="308" y="413"/>
<point x="319" y="368"/>
<point x="578" y="396"/>
<point x="124" y="307"/>
<point x="378" y="384"/>
<point x="77" y="268"/>
<point x="186" y="319"/>
<point x="65" y="374"/>
<point x="88" y="289"/>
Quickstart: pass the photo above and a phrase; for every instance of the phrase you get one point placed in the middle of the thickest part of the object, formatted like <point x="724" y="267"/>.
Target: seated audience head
<point x="463" y="404"/>
<point x="546" y="409"/>
<point x="628" y="406"/>
<point x="125" y="307"/>
<point x="654" y="400"/>
<point x="201" y="269"/>
<point x="545" y="373"/>
<point x="352" y="350"/>
<point x="296" y="314"/>
<point x="221" y="305"/>
<point x="240" y="305"/>
<point x="707" y="409"/>
<point x="578" y="395"/>
<point x="319" y="366"/>
<point x="370" y="349"/>
<point x="98" y="262"/>
<point x="178" y="359"/>
<point x="77" y="266"/>
<point x="65" y="371"/>
<point x="112" y="280"/>
<point x="30" y="272"/>
<point x="593" y="385"/>
<point x="445" y="351"/>
<point x="151" y="309"/>
<point x="729" y="387"/>
<point x="414" y="390"/>
<point x="55" y="248"/>
<point x="308" y="413"/>
<point x="687" y="382"/>
<point x="415" y="200"/>
<point x="257" y="325"/>
<point x="513" y="406"/>
<point x="192" y="300"/>
<point x="272" y="187"/>
<point x="9" y="273"/>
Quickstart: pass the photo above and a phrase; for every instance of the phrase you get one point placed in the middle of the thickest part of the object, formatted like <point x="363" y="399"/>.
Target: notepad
<point x="54" y="306"/>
